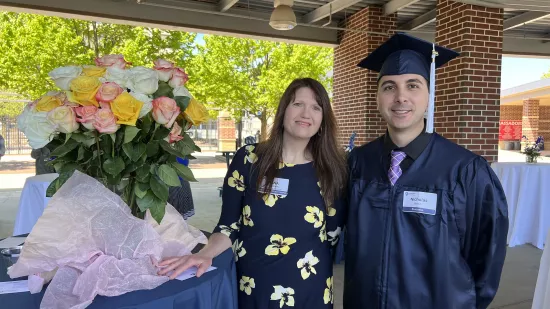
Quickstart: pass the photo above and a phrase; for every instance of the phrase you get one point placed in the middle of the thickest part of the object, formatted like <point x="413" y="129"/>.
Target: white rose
<point x="116" y="75"/>
<point x="147" y="103"/>
<point x="182" y="92"/>
<point x="36" y="127"/>
<point x="63" y="76"/>
<point x="144" y="80"/>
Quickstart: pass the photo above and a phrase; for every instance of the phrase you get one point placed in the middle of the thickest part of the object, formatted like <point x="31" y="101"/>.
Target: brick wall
<point x="355" y="88"/>
<point x="511" y="112"/>
<point x="544" y="122"/>
<point x="530" y="119"/>
<point x="226" y="134"/>
<point x="468" y="88"/>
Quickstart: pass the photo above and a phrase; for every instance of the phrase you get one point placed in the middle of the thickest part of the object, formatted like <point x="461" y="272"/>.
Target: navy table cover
<point x="216" y="289"/>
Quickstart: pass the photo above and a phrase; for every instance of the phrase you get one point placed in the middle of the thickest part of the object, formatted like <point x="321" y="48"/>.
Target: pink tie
<point x="395" y="170"/>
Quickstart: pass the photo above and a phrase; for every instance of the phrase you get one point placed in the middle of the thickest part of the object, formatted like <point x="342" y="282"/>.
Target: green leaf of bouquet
<point x="106" y="146"/>
<point x="159" y="188"/>
<point x="146" y="124"/>
<point x="65" y="148"/>
<point x="67" y="137"/>
<point x="142" y="173"/>
<point x="113" y="166"/>
<point x="134" y="150"/>
<point x="168" y="175"/>
<point x="79" y="137"/>
<point x="183" y="171"/>
<point x="164" y="145"/>
<point x="89" y="142"/>
<point x="182" y="102"/>
<point x="69" y="168"/>
<point x="185" y="147"/>
<point x="130" y="133"/>
<point x="158" y="211"/>
<point x="130" y="167"/>
<point x="58" y="183"/>
<point x="114" y="180"/>
<point x="161" y="133"/>
<point x="140" y="189"/>
<point x="148" y="201"/>
<point x="81" y="153"/>
<point x="164" y="90"/>
<point x="113" y="137"/>
<point x="152" y="149"/>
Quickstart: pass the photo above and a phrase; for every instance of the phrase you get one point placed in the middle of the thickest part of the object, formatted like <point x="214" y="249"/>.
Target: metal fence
<point x="15" y="141"/>
<point x="205" y="135"/>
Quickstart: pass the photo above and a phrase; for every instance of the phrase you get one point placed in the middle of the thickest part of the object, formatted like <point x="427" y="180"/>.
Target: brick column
<point x="468" y="88"/>
<point x="544" y="124"/>
<point x="226" y="133"/>
<point x="355" y="88"/>
<point x="530" y="119"/>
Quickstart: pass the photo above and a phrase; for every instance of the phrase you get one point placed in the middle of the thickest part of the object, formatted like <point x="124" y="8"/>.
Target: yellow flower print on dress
<point x="328" y="297"/>
<point x="278" y="244"/>
<point x="283" y="165"/>
<point x="250" y="155"/>
<point x="234" y="227"/>
<point x="271" y="199"/>
<point x="284" y="295"/>
<point x="314" y="215"/>
<point x="331" y="210"/>
<point x="240" y="251"/>
<point x="247" y="284"/>
<point x="246" y="216"/>
<point x="306" y="265"/>
<point x="334" y="236"/>
<point x="323" y="232"/>
<point x="237" y="181"/>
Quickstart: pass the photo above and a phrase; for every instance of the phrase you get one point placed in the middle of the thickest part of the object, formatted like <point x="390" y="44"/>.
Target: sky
<point x="515" y="70"/>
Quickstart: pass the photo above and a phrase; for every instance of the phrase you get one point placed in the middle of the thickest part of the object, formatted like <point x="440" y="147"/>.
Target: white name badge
<point x="279" y="187"/>
<point x="420" y="202"/>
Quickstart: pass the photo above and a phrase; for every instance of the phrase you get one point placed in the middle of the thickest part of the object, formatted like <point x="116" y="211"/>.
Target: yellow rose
<point x="47" y="103"/>
<point x="126" y="109"/>
<point x="195" y="113"/>
<point x="93" y="71"/>
<point x="84" y="89"/>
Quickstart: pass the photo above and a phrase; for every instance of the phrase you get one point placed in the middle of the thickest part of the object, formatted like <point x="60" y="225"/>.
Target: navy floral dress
<point x="282" y="242"/>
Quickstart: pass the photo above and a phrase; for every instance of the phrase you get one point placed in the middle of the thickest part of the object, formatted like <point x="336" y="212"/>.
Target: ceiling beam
<point x="523" y="5"/>
<point x="524" y="18"/>
<point x="396" y="5"/>
<point x="196" y="17"/>
<point x="225" y="5"/>
<point x="420" y="21"/>
<point x="328" y="9"/>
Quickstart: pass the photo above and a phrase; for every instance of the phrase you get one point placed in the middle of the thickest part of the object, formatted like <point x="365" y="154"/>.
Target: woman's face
<point x="303" y="116"/>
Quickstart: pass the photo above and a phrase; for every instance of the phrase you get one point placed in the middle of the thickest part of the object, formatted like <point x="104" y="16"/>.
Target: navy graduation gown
<point x="402" y="260"/>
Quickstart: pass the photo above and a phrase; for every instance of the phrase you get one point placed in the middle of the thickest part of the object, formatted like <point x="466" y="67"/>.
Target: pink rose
<point x="179" y="78"/>
<point x="164" y="69"/>
<point x="165" y="111"/>
<point x="105" y="121"/>
<point x="175" y="134"/>
<point x="108" y="91"/>
<point x="86" y="116"/>
<point x="116" y="61"/>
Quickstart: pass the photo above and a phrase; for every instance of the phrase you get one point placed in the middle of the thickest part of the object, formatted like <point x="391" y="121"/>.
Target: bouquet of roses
<point x="122" y="125"/>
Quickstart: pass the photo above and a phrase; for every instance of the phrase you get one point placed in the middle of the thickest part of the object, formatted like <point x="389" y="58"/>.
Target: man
<point x="427" y="221"/>
<point x="2" y="147"/>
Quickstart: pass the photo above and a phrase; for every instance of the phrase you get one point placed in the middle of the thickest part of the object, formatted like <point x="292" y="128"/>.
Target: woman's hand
<point x="182" y="263"/>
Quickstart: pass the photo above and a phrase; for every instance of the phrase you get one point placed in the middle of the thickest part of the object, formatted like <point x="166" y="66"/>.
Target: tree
<point x="546" y="75"/>
<point x="251" y="75"/>
<point x="33" y="45"/>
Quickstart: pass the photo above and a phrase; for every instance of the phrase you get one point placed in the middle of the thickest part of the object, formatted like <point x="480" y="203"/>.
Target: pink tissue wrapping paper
<point x="89" y="242"/>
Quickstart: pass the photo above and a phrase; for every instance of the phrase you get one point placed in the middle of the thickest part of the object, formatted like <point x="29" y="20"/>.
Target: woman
<point x="283" y="224"/>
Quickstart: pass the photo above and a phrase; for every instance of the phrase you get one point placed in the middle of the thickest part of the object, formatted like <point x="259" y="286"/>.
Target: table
<point x="541" y="299"/>
<point x="216" y="289"/>
<point x="527" y="190"/>
<point x="32" y="202"/>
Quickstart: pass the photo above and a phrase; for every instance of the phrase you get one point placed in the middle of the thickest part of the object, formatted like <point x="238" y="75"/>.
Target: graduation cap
<point x="405" y="54"/>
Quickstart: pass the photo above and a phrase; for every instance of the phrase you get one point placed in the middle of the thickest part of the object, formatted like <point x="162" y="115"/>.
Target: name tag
<point x="279" y="187"/>
<point x="420" y="202"/>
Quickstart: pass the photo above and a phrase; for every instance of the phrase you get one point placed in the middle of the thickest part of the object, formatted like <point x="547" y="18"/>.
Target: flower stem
<point x="98" y="154"/>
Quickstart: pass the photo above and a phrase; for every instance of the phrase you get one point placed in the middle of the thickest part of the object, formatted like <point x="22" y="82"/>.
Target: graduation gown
<point x="401" y="260"/>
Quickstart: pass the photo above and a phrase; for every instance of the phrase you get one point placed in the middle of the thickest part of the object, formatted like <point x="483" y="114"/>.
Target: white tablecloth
<point x="541" y="299"/>
<point x="527" y="189"/>
<point x="32" y="202"/>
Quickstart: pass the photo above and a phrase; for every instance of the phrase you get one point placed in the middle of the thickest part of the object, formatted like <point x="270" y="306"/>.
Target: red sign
<point x="510" y="130"/>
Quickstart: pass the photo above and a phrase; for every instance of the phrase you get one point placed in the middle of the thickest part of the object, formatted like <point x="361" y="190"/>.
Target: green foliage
<point x="11" y="104"/>
<point x="33" y="45"/>
<point x="546" y="75"/>
<point x="242" y="74"/>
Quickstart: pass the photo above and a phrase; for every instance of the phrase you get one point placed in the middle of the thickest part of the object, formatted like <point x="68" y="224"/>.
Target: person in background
<point x="279" y="210"/>
<point x="182" y="197"/>
<point x="428" y="219"/>
<point x="2" y="147"/>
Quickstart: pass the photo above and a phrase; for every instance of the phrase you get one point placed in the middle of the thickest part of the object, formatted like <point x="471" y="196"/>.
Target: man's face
<point x="402" y="101"/>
